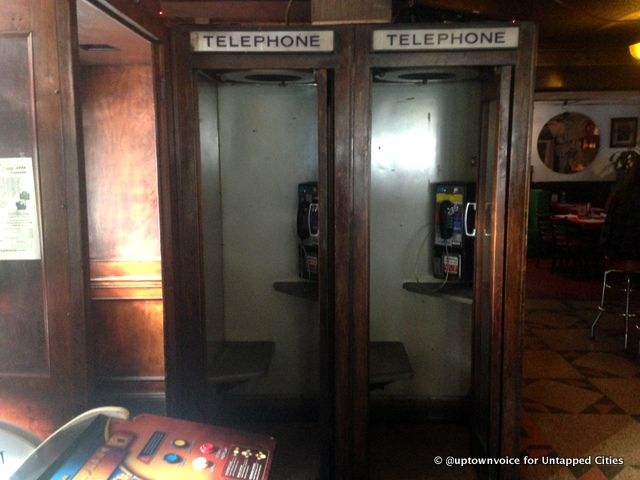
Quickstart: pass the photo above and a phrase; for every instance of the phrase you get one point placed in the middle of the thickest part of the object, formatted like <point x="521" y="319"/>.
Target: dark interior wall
<point x="571" y="78"/>
<point x="595" y="193"/>
<point x="126" y="331"/>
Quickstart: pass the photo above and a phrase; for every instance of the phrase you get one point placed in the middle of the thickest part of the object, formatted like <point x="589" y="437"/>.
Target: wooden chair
<point x="545" y="239"/>
<point x="570" y="249"/>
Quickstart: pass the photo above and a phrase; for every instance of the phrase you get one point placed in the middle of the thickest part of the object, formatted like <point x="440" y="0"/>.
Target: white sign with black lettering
<point x="19" y="225"/>
<point x="309" y="41"/>
<point x="446" y="39"/>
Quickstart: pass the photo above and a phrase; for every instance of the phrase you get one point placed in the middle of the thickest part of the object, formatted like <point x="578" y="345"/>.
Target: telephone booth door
<point x="439" y="246"/>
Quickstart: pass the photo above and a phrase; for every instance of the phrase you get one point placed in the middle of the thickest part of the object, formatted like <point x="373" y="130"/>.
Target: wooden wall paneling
<point x="145" y="18"/>
<point x="129" y="338"/>
<point x="254" y="12"/>
<point x="23" y="343"/>
<point x="123" y="228"/>
<point x="120" y="158"/>
<point x="353" y="11"/>
<point x="127" y="327"/>
<point x="57" y="392"/>
<point x="15" y="16"/>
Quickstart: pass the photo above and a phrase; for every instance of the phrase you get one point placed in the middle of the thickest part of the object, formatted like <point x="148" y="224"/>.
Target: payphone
<point x="453" y="242"/>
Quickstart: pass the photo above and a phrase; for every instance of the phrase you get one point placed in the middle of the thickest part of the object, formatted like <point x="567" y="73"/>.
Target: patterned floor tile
<point x="551" y="319"/>
<point x="576" y="340"/>
<point x="531" y="342"/>
<point x="574" y="435"/>
<point x="604" y="406"/>
<point x="581" y="383"/>
<point x="533" y="304"/>
<point x="545" y="472"/>
<point x="623" y="444"/>
<point x="611" y="471"/>
<point x="581" y="397"/>
<point x="547" y="364"/>
<point x="625" y="392"/>
<point x="593" y="473"/>
<point x="629" y="473"/>
<point x="561" y="396"/>
<point x="608" y="364"/>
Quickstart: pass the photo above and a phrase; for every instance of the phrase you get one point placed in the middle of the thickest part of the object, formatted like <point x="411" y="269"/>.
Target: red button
<point x="207" y="447"/>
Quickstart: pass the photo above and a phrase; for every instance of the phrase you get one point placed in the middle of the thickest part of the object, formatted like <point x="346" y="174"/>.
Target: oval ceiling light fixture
<point x="634" y="50"/>
<point x="425" y="75"/>
<point x="269" y="77"/>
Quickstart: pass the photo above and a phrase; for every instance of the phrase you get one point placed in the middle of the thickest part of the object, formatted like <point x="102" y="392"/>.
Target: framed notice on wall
<point x="19" y="225"/>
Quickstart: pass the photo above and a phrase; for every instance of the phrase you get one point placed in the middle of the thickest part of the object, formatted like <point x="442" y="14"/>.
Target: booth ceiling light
<point x="423" y="76"/>
<point x="634" y="50"/>
<point x="269" y="77"/>
<point x="98" y="47"/>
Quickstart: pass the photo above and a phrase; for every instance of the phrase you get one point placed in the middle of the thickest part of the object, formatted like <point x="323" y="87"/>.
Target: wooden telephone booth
<point x="439" y="106"/>
<point x="375" y="118"/>
<point x="263" y="115"/>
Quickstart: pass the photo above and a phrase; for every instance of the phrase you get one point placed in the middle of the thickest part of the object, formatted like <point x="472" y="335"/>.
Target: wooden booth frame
<point x="344" y="170"/>
<point x="503" y="354"/>
<point x="186" y="372"/>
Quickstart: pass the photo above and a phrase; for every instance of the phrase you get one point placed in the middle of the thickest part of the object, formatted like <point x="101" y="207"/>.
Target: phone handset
<point x="303" y="223"/>
<point x="466" y="215"/>
<point x="312" y="219"/>
<point x="447" y="211"/>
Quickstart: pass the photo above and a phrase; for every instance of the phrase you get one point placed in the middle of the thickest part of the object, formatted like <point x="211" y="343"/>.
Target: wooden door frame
<point x="508" y="345"/>
<point x="185" y="335"/>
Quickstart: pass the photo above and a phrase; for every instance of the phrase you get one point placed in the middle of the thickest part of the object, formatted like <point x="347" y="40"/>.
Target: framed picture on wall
<point x="623" y="132"/>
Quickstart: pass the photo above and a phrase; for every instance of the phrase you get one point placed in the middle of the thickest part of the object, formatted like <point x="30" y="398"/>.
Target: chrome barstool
<point x="625" y="269"/>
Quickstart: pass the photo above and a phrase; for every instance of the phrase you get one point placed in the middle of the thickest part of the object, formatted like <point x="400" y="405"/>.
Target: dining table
<point x="581" y="240"/>
<point x="585" y="222"/>
<point x="561" y="208"/>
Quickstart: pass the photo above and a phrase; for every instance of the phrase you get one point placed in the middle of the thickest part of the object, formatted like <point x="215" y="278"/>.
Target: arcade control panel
<point x="151" y="447"/>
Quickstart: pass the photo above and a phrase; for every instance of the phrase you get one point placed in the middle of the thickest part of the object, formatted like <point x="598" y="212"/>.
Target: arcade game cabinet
<point x="151" y="447"/>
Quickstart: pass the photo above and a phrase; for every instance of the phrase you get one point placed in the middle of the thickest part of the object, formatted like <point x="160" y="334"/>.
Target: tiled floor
<point x="581" y="397"/>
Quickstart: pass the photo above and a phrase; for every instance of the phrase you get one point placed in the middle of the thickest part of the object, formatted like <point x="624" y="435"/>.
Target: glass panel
<point x="425" y="143"/>
<point x="259" y="171"/>
<point x="23" y="338"/>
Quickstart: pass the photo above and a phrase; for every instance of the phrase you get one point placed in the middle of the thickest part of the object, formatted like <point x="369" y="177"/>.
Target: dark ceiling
<point x="601" y="23"/>
<point x="568" y="22"/>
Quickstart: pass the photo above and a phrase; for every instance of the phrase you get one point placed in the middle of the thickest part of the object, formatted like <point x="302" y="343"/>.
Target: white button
<point x="200" y="463"/>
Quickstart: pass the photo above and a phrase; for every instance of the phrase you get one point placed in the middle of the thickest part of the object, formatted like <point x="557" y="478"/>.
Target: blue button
<point x="172" y="458"/>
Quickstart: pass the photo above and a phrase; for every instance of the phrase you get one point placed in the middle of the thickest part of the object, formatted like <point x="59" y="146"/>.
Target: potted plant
<point x="623" y="160"/>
